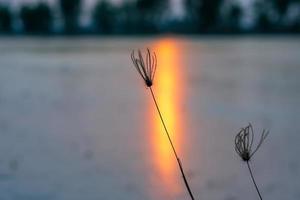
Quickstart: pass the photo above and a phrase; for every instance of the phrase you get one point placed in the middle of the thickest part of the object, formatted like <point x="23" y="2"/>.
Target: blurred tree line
<point x="154" y="16"/>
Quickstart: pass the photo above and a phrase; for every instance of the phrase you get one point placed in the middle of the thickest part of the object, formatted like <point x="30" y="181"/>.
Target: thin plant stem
<point x="173" y="148"/>
<point x="251" y="174"/>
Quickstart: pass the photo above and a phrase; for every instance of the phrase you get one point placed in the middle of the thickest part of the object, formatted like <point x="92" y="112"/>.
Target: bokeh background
<point x="50" y="17"/>
<point x="77" y="122"/>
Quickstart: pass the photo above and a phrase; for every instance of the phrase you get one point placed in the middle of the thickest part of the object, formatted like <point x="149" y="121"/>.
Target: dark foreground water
<point x="77" y="123"/>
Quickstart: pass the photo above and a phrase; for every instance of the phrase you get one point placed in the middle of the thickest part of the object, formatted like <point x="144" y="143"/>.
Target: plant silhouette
<point x="146" y="67"/>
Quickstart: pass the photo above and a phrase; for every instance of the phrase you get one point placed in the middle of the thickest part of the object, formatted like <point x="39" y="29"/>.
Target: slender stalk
<point x="173" y="148"/>
<point x="251" y="174"/>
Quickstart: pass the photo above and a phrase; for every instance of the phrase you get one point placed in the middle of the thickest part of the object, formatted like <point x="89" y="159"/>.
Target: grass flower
<point x="244" y="142"/>
<point x="146" y="67"/>
<point x="244" y="147"/>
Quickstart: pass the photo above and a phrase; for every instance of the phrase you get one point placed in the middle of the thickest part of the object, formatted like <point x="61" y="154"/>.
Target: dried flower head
<point x="146" y="66"/>
<point x="244" y="142"/>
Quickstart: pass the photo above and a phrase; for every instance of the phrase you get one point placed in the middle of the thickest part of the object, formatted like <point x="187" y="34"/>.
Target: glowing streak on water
<point x="168" y="85"/>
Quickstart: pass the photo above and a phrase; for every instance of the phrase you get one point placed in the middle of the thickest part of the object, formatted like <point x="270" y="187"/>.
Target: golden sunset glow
<point x="168" y="90"/>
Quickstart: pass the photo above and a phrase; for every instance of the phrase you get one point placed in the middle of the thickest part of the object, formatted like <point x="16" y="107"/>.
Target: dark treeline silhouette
<point x="70" y="10"/>
<point x="153" y="16"/>
<point x="36" y="18"/>
<point x="134" y="17"/>
<point x="274" y="16"/>
<point x="104" y="18"/>
<point x="205" y="14"/>
<point x="5" y="19"/>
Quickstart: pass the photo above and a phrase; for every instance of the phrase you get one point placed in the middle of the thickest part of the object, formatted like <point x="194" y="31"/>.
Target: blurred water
<point x="76" y="121"/>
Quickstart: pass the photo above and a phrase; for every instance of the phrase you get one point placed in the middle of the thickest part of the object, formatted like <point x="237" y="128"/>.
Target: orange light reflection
<point x="168" y="85"/>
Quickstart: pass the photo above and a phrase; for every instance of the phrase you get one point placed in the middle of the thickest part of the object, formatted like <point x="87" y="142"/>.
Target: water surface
<point x="76" y="121"/>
